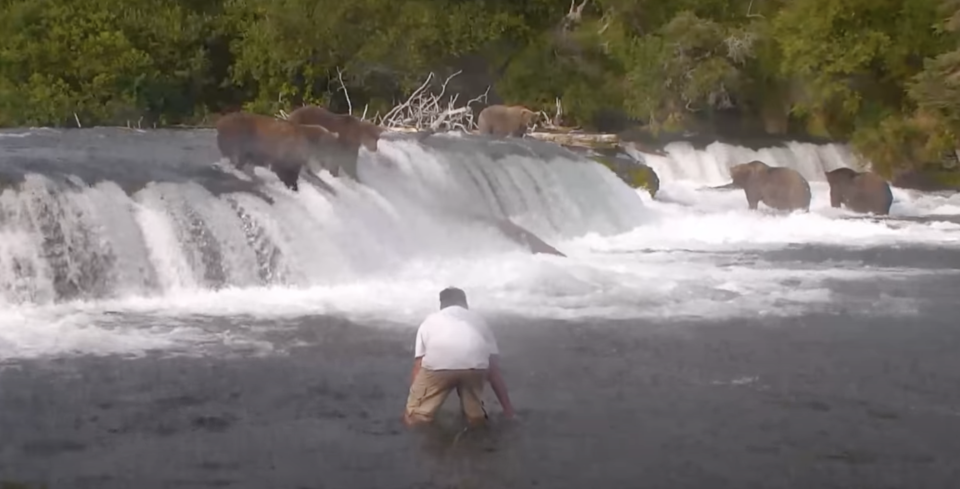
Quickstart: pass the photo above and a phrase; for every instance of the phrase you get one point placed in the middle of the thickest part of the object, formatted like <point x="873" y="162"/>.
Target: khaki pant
<point x="431" y="387"/>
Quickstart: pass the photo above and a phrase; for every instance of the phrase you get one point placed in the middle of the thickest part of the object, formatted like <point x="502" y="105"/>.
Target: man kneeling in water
<point x="454" y="349"/>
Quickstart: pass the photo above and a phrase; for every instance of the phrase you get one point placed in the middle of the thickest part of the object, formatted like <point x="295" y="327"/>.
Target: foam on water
<point x="157" y="268"/>
<point x="686" y="175"/>
<point x="711" y="165"/>
<point x="590" y="284"/>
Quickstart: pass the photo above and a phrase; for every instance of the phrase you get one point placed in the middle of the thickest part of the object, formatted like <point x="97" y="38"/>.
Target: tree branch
<point x="574" y="15"/>
<point x="425" y="110"/>
<point x="346" y="94"/>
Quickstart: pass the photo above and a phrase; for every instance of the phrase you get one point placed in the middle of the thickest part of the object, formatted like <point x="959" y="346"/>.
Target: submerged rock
<point x="632" y="172"/>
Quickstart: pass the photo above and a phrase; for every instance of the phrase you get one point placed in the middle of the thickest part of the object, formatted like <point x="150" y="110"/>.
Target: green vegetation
<point x="633" y="174"/>
<point x="883" y="74"/>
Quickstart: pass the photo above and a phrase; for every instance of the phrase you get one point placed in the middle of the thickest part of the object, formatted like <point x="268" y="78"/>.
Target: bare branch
<point x="433" y="111"/>
<point x="606" y="19"/>
<point x="346" y="94"/>
<point x="575" y="14"/>
<point x="389" y="116"/>
<point x="740" y="47"/>
<point x="553" y="123"/>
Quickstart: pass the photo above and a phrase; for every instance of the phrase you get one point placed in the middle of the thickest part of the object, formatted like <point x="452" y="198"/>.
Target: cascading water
<point x="123" y="241"/>
<point x="70" y="234"/>
<point x="686" y="172"/>
<point x="711" y="165"/>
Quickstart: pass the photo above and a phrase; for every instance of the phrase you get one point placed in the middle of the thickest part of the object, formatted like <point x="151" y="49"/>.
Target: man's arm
<point x="499" y="386"/>
<point x="494" y="374"/>
<point x="416" y="368"/>
<point x="419" y="349"/>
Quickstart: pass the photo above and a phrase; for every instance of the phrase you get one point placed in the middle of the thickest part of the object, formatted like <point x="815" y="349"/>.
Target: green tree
<point x="882" y="74"/>
<point x="99" y="61"/>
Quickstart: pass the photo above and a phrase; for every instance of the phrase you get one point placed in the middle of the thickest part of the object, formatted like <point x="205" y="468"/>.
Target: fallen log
<point x="577" y="139"/>
<point x="564" y="139"/>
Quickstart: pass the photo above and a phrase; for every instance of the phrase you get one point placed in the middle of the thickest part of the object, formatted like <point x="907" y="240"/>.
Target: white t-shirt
<point x="455" y="338"/>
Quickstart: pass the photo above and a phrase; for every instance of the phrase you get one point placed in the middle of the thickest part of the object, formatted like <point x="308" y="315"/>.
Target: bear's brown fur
<point x="863" y="192"/>
<point x="249" y="140"/>
<point x="353" y="132"/>
<point x="783" y="189"/>
<point x="505" y="120"/>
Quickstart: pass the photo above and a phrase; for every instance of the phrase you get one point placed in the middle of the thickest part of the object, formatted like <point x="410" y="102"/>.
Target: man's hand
<point x="499" y="387"/>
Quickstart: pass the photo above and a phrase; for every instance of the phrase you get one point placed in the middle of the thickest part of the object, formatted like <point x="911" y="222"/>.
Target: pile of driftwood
<point x="434" y="110"/>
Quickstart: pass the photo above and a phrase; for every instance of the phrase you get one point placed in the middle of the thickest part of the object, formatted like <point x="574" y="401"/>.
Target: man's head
<point x="452" y="296"/>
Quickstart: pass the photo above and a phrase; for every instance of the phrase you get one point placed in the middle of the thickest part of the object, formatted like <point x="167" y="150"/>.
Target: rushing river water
<point x="164" y="323"/>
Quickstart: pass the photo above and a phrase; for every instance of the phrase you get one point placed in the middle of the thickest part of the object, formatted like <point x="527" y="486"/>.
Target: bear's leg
<point x="286" y="173"/>
<point x="350" y="166"/>
<point x="245" y="162"/>
<point x="316" y="180"/>
<point x="289" y="178"/>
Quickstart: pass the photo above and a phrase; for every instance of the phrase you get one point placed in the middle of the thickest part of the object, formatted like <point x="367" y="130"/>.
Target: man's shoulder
<point x="464" y="314"/>
<point x="454" y="314"/>
<point x="434" y="318"/>
<point x="474" y="320"/>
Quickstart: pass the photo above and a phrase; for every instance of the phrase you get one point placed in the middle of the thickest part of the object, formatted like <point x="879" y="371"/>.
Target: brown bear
<point x="505" y="120"/>
<point x="249" y="140"/>
<point x="862" y="192"/>
<point x="783" y="189"/>
<point x="353" y="133"/>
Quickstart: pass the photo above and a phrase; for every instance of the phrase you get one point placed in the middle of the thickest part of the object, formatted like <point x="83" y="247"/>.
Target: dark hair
<point x="452" y="296"/>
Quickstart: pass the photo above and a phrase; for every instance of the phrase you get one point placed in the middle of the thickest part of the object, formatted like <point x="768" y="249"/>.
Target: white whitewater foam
<point x="686" y="175"/>
<point x="590" y="283"/>
<point x="711" y="165"/>
<point x="721" y="222"/>
<point x="380" y="252"/>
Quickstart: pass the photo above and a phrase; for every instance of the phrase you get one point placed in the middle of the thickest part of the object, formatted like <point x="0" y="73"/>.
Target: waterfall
<point x="711" y="165"/>
<point x="106" y="213"/>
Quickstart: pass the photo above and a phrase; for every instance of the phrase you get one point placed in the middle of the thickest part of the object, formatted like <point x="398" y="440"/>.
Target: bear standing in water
<point x="249" y="140"/>
<point x="353" y="133"/>
<point x="783" y="189"/>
